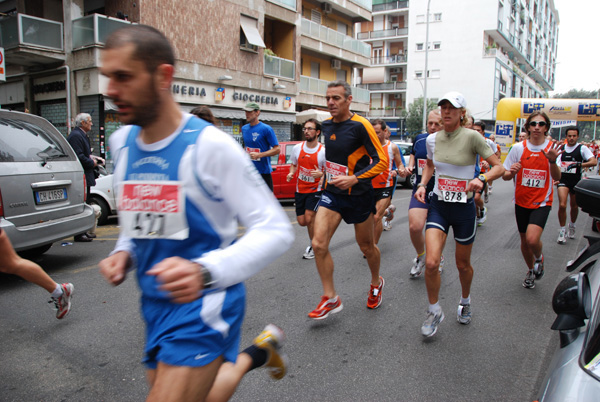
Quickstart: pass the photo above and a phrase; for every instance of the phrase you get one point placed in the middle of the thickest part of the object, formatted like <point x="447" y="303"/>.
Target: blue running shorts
<point x="194" y="334"/>
<point x="462" y="218"/>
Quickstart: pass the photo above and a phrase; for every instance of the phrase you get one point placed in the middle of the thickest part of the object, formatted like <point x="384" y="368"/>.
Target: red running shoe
<point x="375" y="296"/>
<point x="325" y="307"/>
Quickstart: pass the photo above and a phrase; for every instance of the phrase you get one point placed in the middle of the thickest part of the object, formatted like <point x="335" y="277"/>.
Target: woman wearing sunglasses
<point x="532" y="163"/>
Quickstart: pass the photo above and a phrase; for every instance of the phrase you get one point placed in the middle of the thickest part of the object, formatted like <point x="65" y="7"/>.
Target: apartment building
<point x="278" y="53"/>
<point x="486" y="49"/>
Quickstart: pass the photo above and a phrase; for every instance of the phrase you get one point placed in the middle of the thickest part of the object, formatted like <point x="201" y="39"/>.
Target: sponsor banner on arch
<point x="563" y="109"/>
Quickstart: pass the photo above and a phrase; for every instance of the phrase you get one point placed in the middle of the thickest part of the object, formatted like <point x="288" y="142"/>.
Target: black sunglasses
<point x="537" y="123"/>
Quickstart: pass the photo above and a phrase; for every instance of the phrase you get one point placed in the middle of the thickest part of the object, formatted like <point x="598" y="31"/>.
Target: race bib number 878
<point x="453" y="190"/>
<point x="153" y="210"/>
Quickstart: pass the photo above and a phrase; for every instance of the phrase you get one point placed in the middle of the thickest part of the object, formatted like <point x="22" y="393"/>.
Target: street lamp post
<point x="597" y="91"/>
<point x="425" y="72"/>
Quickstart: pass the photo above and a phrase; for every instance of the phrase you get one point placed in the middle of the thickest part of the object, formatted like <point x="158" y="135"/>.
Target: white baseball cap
<point x="456" y="98"/>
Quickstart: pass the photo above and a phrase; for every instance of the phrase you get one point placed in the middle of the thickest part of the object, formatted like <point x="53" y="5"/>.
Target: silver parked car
<point x="574" y="372"/>
<point x="42" y="186"/>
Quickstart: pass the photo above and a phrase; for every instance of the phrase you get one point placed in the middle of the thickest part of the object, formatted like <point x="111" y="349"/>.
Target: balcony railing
<point x="319" y="87"/>
<point x="279" y="67"/>
<point x="291" y="4"/>
<point x="25" y="30"/>
<point x="394" y="59"/>
<point x="489" y="51"/>
<point x="94" y="29"/>
<point x="361" y="95"/>
<point x="392" y="5"/>
<point x="384" y="33"/>
<point x="385" y="86"/>
<point x="366" y="4"/>
<point x="391" y="112"/>
<point x="328" y="35"/>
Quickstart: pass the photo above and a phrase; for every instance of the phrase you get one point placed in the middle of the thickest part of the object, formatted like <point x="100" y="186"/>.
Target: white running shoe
<point x="417" y="269"/>
<point x="571" y="231"/>
<point x="562" y="236"/>
<point x="430" y="326"/>
<point x="62" y="304"/>
<point x="481" y="220"/>
<point x="309" y="254"/>
<point x="387" y="225"/>
<point x="464" y="314"/>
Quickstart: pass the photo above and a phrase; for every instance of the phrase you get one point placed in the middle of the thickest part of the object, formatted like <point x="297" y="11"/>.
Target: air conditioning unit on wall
<point x="336" y="64"/>
<point x="326" y="7"/>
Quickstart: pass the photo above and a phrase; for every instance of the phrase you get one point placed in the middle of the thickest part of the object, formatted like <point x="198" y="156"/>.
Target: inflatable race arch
<point x="510" y="109"/>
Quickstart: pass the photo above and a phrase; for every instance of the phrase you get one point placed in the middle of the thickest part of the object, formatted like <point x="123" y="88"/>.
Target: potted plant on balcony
<point x="269" y="54"/>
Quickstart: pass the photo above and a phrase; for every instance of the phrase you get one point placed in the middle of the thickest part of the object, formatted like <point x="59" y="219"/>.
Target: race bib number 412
<point x="534" y="178"/>
<point x="453" y="190"/>
<point x="153" y="210"/>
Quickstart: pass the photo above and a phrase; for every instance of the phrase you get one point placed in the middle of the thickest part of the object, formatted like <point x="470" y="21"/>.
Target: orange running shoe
<point x="325" y="307"/>
<point x="375" y="297"/>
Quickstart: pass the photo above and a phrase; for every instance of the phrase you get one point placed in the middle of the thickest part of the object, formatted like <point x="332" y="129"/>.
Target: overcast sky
<point x="578" y="54"/>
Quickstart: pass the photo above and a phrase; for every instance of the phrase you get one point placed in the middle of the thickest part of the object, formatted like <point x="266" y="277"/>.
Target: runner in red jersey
<point x="308" y="159"/>
<point x="532" y="163"/>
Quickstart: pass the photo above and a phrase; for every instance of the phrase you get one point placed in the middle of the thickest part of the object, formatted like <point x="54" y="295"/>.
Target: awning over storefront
<point x="225" y="113"/>
<point x="109" y="105"/>
<point x="237" y="114"/>
<point x="304" y="115"/>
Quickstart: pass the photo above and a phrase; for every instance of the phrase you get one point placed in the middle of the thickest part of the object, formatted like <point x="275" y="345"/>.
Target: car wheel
<point x="104" y="209"/>
<point x="35" y="252"/>
<point x="411" y="181"/>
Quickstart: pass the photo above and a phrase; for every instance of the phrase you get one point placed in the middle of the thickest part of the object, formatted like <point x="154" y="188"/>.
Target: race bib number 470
<point x="153" y="210"/>
<point x="534" y="178"/>
<point x="453" y="190"/>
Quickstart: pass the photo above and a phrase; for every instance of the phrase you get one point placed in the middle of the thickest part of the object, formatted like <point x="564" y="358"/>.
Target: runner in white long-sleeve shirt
<point x="183" y="186"/>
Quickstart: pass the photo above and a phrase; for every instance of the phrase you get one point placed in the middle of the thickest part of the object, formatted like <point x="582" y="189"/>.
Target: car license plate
<point x="42" y="197"/>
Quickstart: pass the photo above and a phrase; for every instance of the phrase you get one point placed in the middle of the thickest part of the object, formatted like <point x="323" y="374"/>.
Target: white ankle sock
<point x="57" y="292"/>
